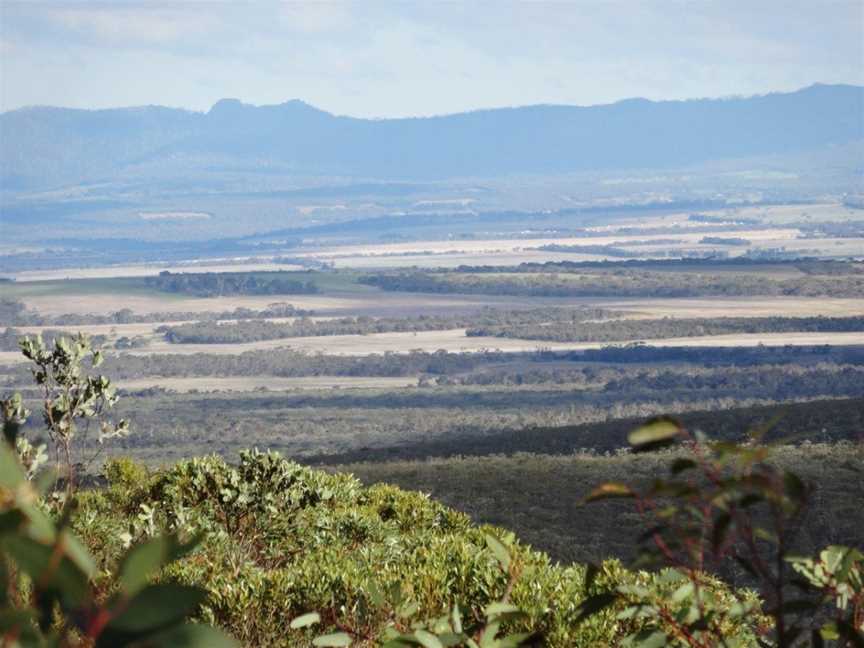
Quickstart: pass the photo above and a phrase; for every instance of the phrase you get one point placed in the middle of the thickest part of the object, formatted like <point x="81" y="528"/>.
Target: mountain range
<point x="43" y="148"/>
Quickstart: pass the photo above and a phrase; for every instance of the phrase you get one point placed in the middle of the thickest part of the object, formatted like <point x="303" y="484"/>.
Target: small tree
<point x="47" y="595"/>
<point x="71" y="396"/>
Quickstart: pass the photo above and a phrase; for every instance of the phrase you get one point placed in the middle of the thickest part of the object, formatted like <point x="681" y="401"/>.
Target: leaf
<point x="38" y="561"/>
<point x="156" y="607"/>
<point x="514" y="640"/>
<point x="11" y="472"/>
<point x="335" y="640"/>
<point x="502" y="555"/>
<point x="78" y="554"/>
<point x="189" y="635"/>
<point x="427" y="639"/>
<point x="654" y="434"/>
<point x="501" y="610"/>
<point x="143" y="560"/>
<point x="594" y="604"/>
<point x="306" y="620"/>
<point x="608" y="491"/>
<point x="647" y="639"/>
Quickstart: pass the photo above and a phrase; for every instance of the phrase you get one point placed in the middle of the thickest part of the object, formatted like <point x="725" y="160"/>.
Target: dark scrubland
<point x="540" y="496"/>
<point x="250" y="331"/>
<point x="579" y="280"/>
<point x="621" y="329"/>
<point x="13" y="312"/>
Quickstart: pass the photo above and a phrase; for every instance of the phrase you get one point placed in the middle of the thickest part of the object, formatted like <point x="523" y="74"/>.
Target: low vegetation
<point x="625" y="279"/>
<point x="274" y="553"/>
<point x="635" y="329"/>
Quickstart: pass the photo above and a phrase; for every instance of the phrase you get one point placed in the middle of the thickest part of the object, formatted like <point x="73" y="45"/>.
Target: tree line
<point x="14" y="312"/>
<point x="214" y="332"/>
<point x="221" y="284"/>
<point x="635" y="329"/>
<point x="557" y="281"/>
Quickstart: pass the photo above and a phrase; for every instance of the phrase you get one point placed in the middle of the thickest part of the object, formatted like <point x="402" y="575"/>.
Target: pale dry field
<point x="271" y="383"/>
<point x="456" y="341"/>
<point x="406" y="304"/>
<point x="335" y="303"/>
<point x="486" y="247"/>
<point x="739" y="307"/>
<point x="145" y="270"/>
<point x="11" y="357"/>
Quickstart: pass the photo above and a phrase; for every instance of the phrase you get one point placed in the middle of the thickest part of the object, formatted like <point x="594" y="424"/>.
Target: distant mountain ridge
<point x="41" y="148"/>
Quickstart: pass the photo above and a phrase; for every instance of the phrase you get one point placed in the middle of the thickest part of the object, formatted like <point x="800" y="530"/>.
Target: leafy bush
<point x="292" y="555"/>
<point x="48" y="580"/>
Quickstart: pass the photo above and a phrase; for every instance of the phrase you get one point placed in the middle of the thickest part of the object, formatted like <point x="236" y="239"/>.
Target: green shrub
<point x="375" y="564"/>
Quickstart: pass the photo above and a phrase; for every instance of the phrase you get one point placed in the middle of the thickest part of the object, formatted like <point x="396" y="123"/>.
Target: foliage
<point x="627" y="279"/>
<point x="220" y="284"/>
<point x="291" y="556"/>
<point x="724" y="502"/>
<point x="513" y="491"/>
<point x="70" y="395"/>
<point x="211" y="332"/>
<point x="635" y="329"/>
<point x="47" y="576"/>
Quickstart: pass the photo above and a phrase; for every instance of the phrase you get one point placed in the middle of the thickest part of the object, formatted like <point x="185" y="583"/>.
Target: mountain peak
<point x="227" y="106"/>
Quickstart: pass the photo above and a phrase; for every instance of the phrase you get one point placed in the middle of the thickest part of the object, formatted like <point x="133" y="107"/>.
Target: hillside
<point x="46" y="147"/>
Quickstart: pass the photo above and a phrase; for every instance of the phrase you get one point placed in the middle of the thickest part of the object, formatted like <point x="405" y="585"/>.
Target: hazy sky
<point x="418" y="58"/>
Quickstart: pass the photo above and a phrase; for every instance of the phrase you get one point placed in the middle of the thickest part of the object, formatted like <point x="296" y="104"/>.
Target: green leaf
<point x="78" y="554"/>
<point x="502" y="555"/>
<point x="647" y="639"/>
<point x="656" y="433"/>
<point x="427" y="639"/>
<point x="335" y="640"/>
<point x="143" y="560"/>
<point x="156" y="607"/>
<point x="503" y="612"/>
<point x="595" y="604"/>
<point x="514" y="640"/>
<point x="11" y="472"/>
<point x="39" y="562"/>
<point x="189" y="635"/>
<point x="306" y="620"/>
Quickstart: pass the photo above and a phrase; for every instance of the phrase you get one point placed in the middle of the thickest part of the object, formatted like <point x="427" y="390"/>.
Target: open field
<point x="495" y="251"/>
<point x="341" y="295"/>
<point x="269" y="383"/>
<point x="147" y="270"/>
<point x="456" y="341"/>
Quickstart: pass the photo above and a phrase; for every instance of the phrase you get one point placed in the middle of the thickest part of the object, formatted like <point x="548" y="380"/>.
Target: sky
<point x="389" y="59"/>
